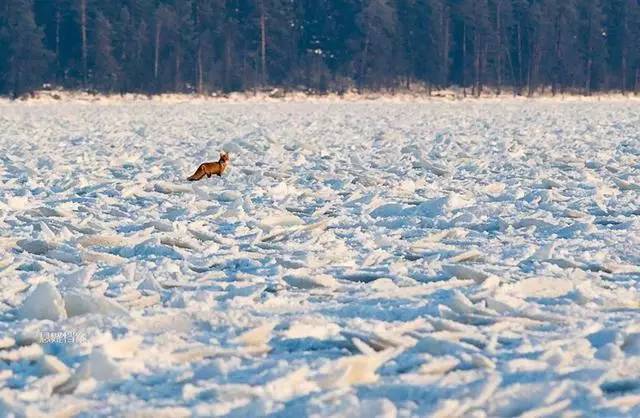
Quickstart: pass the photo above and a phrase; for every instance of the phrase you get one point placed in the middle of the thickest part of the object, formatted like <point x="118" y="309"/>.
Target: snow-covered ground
<point x="472" y="258"/>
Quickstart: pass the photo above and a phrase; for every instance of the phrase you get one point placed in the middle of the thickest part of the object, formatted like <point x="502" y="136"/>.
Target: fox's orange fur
<point x="209" y="169"/>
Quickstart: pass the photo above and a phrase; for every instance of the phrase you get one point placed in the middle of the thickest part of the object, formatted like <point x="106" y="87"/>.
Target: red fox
<point x="209" y="169"/>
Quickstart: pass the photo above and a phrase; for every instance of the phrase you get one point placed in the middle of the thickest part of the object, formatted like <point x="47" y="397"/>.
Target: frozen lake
<point x="472" y="258"/>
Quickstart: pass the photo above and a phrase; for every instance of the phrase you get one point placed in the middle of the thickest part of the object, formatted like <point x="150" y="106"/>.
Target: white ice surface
<point x="357" y="259"/>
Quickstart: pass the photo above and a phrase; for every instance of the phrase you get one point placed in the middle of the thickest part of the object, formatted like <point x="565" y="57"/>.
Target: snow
<point x="359" y="258"/>
<point x="45" y="302"/>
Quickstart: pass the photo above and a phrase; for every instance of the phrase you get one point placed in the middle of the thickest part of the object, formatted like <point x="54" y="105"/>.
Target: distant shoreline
<point x="278" y="96"/>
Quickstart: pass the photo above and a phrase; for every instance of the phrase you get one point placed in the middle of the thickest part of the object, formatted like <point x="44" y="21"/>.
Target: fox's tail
<point x="199" y="174"/>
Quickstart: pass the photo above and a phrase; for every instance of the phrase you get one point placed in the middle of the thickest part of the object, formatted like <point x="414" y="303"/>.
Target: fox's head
<point x="224" y="157"/>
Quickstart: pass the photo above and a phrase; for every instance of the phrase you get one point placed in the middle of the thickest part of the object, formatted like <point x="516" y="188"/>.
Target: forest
<point x="521" y="47"/>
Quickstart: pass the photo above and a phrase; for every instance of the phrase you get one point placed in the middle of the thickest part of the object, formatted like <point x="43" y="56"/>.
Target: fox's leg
<point x="208" y="175"/>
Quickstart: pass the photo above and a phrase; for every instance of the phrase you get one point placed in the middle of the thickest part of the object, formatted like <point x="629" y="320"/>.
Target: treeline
<point x="203" y="46"/>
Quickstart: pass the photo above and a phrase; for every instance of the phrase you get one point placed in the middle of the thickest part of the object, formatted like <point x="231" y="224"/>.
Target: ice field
<point x="356" y="259"/>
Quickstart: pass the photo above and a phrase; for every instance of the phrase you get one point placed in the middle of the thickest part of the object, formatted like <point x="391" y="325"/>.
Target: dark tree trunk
<point x="445" y="47"/>
<point x="83" y="34"/>
<point x="263" y="45"/>
<point x="199" y="72"/>
<point x="499" y="52"/>
<point x="520" y="64"/>
<point x="464" y="59"/>
<point x="58" y="66"/>
<point x="156" y="57"/>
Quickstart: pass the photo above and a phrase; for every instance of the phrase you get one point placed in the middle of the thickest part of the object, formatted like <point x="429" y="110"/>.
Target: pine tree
<point x="276" y="25"/>
<point x="622" y="31"/>
<point x="4" y="47"/>
<point x="184" y="39"/>
<point x="26" y="58"/>
<point x="440" y="38"/>
<point x="592" y="42"/>
<point x="105" y="68"/>
<point x="502" y="21"/>
<point x="377" y="22"/>
<point x="123" y="47"/>
<point x="633" y="49"/>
